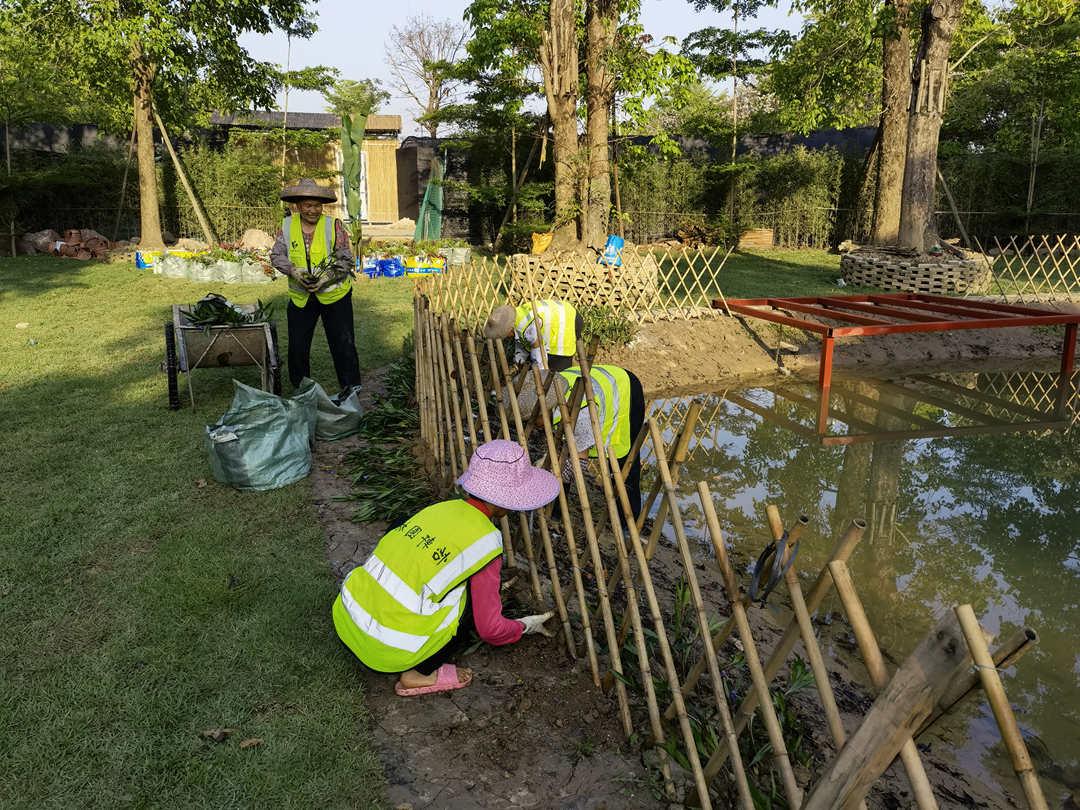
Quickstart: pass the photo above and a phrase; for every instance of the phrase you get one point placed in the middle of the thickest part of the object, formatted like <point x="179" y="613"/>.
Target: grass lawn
<point x="143" y="602"/>
<point x="760" y="273"/>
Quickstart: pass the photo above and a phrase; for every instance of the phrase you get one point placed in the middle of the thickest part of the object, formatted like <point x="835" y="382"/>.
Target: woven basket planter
<point x="923" y="274"/>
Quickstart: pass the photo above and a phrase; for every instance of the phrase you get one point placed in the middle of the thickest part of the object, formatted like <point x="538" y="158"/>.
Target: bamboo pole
<point x="564" y="510"/>
<point x="753" y="662"/>
<point x="680" y="445"/>
<point x="438" y="375"/>
<point x="999" y="703"/>
<point x="879" y="677"/>
<point x="597" y="560"/>
<point x="504" y="521"/>
<point x="450" y="387"/>
<point x="725" y="631"/>
<point x="820" y="589"/>
<point x="809" y="639"/>
<point x="901" y="707"/>
<point x="181" y="173"/>
<point x="718" y="687"/>
<point x="1005" y="655"/>
<point x="634" y="616"/>
<point x="497" y="385"/>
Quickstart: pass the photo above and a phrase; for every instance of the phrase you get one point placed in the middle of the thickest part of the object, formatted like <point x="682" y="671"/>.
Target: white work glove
<point x="535" y="624"/>
<point x="520" y="355"/>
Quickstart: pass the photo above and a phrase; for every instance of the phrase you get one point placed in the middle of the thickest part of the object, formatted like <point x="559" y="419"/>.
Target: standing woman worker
<point x="430" y="581"/>
<point x="312" y="249"/>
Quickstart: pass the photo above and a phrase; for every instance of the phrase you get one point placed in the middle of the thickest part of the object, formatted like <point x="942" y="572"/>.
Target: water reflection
<point x="970" y="484"/>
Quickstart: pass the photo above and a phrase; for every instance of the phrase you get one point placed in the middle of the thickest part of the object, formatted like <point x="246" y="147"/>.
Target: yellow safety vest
<point x="556" y="326"/>
<point x="405" y="602"/>
<point x="611" y="387"/>
<point x="303" y="258"/>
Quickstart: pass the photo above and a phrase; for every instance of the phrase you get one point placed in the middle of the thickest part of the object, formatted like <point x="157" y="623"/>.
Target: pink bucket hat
<point x="500" y="473"/>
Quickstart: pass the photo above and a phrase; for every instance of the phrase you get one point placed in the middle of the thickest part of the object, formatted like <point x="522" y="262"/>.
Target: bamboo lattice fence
<point x="596" y="570"/>
<point x="650" y="285"/>
<point x="1037" y="268"/>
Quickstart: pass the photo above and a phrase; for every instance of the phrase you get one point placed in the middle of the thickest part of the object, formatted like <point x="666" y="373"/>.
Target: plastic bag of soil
<point x="262" y="441"/>
<point x="337" y="417"/>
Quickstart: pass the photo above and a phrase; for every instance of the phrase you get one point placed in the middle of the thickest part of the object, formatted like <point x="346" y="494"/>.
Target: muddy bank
<point x="533" y="731"/>
<point x="685" y="355"/>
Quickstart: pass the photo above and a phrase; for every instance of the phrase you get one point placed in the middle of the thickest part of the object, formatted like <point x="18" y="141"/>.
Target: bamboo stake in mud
<point x="447" y="451"/>
<point x="809" y="639"/>
<point x="902" y="706"/>
<point x="879" y="677"/>
<point x="1005" y="655"/>
<point x="820" y="589"/>
<point x="504" y="522"/>
<point x="718" y="687"/>
<point x="753" y="662"/>
<point x="452" y="389"/>
<point x="496" y="350"/>
<point x="723" y="634"/>
<point x="597" y="559"/>
<point x="665" y="653"/>
<point x="478" y="384"/>
<point x="498" y="389"/>
<point x="999" y="703"/>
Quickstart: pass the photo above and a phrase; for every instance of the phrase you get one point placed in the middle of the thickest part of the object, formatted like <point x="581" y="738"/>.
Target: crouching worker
<point x="620" y="403"/>
<point x="430" y="581"/>
<point x="559" y="327"/>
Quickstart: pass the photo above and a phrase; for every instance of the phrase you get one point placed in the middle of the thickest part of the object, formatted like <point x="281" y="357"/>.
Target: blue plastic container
<point x="392" y="267"/>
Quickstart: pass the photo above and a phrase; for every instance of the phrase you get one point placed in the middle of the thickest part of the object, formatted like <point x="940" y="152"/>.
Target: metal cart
<point x="188" y="347"/>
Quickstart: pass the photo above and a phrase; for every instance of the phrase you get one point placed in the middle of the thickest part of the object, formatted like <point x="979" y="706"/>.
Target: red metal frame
<point x="912" y="312"/>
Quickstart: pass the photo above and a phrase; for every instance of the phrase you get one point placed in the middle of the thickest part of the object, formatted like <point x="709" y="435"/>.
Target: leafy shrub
<point x="609" y="327"/>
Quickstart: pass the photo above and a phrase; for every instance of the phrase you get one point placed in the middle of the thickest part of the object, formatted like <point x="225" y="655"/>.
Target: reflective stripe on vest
<point x="611" y="388"/>
<point x="406" y="601"/>
<point x="557" y="321"/>
<point x="304" y="258"/>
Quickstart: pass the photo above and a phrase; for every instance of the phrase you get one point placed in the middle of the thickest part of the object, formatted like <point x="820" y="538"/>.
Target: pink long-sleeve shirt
<point x="484" y="591"/>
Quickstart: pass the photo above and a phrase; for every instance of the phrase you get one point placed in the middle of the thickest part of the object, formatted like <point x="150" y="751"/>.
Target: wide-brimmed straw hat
<point x="500" y="473"/>
<point x="307" y="189"/>
<point x="500" y="322"/>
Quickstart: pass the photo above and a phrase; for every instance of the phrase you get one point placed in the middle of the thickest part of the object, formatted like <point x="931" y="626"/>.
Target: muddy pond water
<point x="970" y="484"/>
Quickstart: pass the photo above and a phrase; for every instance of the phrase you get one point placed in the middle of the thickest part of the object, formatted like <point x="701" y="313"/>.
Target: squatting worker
<point x="620" y="402"/>
<point x="560" y="329"/>
<point x="430" y="581"/>
<point x="308" y="239"/>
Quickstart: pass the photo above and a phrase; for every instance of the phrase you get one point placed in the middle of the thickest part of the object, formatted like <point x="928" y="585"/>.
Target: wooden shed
<point x="379" y="186"/>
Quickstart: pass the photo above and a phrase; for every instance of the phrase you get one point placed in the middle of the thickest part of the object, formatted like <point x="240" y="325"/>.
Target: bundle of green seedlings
<point x="389" y="482"/>
<point x="686" y="649"/>
<point x="328" y="271"/>
<point x="216" y="310"/>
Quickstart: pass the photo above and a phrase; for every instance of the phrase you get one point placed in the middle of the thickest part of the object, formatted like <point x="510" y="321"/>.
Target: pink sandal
<point x="446" y="680"/>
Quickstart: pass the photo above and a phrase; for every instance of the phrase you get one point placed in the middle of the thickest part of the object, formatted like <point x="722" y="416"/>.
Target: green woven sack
<point x="335" y="420"/>
<point x="262" y="442"/>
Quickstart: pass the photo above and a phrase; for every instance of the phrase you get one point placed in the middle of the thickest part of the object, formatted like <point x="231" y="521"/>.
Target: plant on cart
<point x="216" y="310"/>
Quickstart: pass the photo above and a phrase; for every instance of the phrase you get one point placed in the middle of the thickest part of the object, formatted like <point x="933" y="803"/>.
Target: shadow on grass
<point x="31" y="276"/>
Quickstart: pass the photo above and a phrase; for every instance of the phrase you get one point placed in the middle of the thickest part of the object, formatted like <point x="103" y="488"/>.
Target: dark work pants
<point x="337" y="319"/>
<point x="637" y="419"/>
<point x="459" y="640"/>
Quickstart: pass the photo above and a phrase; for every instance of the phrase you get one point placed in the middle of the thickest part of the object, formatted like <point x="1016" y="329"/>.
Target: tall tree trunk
<point x="149" y="216"/>
<point x="601" y="20"/>
<point x="928" y="92"/>
<point x="559" y="65"/>
<point x="895" y="96"/>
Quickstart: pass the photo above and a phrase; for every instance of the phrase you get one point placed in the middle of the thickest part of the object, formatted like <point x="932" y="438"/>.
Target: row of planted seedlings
<point x="639" y="639"/>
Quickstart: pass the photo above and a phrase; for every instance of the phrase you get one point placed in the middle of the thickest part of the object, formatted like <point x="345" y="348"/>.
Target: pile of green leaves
<point x="389" y="482"/>
<point x="216" y="310"/>
<point x="607" y="326"/>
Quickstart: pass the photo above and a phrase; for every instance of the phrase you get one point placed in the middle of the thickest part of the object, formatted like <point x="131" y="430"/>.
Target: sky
<point x="352" y="37"/>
